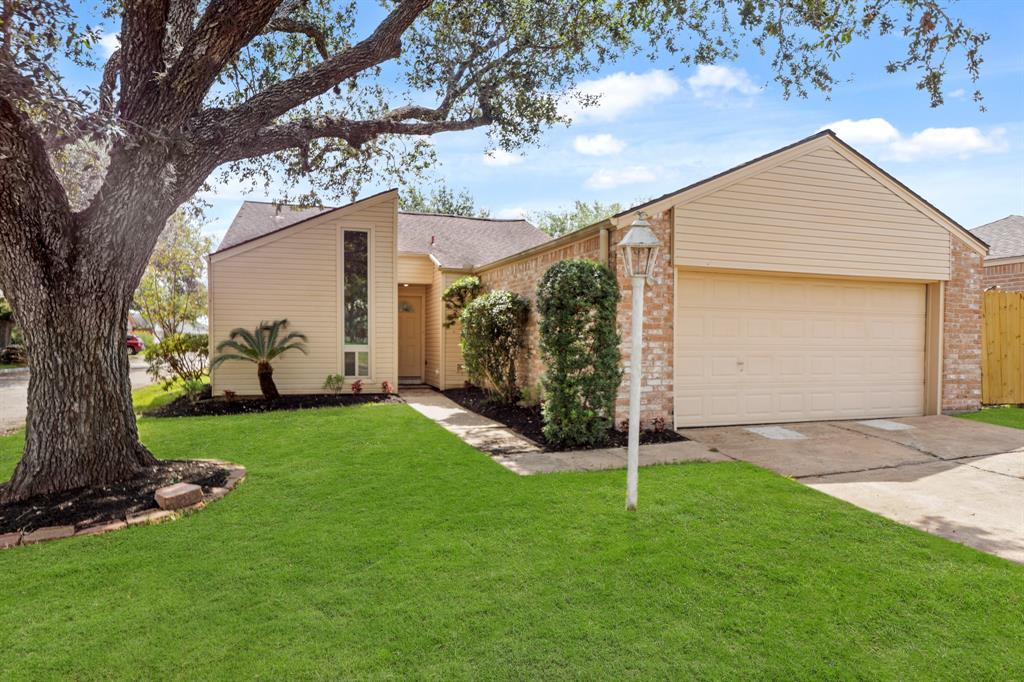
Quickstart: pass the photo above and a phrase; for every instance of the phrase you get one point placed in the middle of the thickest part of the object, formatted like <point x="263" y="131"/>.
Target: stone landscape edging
<point x="236" y="474"/>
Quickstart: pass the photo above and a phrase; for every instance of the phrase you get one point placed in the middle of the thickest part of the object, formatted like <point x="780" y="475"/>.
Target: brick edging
<point x="236" y="474"/>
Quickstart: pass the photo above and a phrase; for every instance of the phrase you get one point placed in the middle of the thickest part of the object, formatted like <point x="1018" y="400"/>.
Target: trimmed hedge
<point x="493" y="338"/>
<point x="579" y="342"/>
<point x="458" y="295"/>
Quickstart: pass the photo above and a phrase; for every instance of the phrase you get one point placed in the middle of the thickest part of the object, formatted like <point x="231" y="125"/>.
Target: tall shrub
<point x="458" y="295"/>
<point x="579" y="343"/>
<point x="493" y="339"/>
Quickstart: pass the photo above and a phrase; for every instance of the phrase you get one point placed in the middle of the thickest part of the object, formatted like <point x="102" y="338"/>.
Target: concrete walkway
<point x="960" y="479"/>
<point x="523" y="456"/>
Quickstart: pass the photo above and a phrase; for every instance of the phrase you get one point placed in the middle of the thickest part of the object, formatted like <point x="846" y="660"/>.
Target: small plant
<point x="230" y="396"/>
<point x="386" y="387"/>
<point x="458" y="295"/>
<point x="624" y="425"/>
<point x="334" y="383"/>
<point x="357" y="387"/>
<point x="532" y="395"/>
<point x="194" y="389"/>
<point x="493" y="338"/>
<point x="658" y="424"/>
<point x="260" y="347"/>
<point x="178" y="357"/>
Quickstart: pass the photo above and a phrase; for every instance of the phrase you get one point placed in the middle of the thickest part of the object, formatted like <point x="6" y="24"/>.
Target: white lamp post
<point x="639" y="248"/>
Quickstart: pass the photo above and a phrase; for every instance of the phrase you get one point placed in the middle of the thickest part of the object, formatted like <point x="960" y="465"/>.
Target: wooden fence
<point x="1002" y="348"/>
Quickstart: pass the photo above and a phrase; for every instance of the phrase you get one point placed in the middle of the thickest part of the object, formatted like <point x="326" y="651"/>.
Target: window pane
<point x="350" y="364"/>
<point x="364" y="364"/>
<point x="357" y="270"/>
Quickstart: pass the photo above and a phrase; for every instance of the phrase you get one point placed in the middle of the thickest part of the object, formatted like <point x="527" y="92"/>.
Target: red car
<point x="135" y="344"/>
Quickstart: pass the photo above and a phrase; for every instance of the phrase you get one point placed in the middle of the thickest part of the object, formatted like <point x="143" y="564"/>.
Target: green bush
<point x="577" y="301"/>
<point x="458" y="295"/>
<point x="493" y="339"/>
<point x="178" y="357"/>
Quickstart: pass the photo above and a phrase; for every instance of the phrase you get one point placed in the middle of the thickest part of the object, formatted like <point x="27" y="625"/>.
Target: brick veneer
<point x="521" y="277"/>
<point x="961" y="343"/>
<point x="656" y="382"/>
<point x="656" y="388"/>
<point x="1009" y="277"/>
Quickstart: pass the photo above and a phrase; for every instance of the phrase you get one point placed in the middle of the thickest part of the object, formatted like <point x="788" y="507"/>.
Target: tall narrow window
<point x="356" y="308"/>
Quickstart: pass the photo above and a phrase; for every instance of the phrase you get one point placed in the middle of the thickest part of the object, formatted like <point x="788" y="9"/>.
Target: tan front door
<point x="752" y="349"/>
<point x="410" y="338"/>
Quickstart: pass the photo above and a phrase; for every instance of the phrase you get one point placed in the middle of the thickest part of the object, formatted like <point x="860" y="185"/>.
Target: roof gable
<point x="825" y="144"/>
<point x="456" y="242"/>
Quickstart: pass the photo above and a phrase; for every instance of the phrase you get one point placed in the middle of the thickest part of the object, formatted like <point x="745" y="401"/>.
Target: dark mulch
<point x="530" y="422"/>
<point x="88" y="506"/>
<point x="183" y="407"/>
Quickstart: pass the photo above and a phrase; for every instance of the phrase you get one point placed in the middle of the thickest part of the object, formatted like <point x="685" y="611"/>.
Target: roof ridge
<point x="467" y="217"/>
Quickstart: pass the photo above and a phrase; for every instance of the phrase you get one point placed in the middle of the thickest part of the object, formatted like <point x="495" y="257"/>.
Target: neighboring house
<point x="806" y="284"/>
<point x="1004" y="266"/>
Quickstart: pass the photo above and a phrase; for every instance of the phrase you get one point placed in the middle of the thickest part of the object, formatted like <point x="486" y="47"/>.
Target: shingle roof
<point x="1005" y="237"/>
<point x="455" y="241"/>
<point x="459" y="242"/>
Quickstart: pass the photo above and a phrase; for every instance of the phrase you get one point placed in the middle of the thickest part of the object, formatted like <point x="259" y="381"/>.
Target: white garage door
<point x="755" y="349"/>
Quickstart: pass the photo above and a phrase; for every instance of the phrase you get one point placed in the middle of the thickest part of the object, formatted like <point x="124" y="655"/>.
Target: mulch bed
<point x="529" y="421"/>
<point x="183" y="407"/>
<point x="89" y="506"/>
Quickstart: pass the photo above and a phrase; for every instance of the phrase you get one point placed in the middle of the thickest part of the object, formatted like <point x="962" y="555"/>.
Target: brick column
<point x="961" y="330"/>
<point x="656" y="386"/>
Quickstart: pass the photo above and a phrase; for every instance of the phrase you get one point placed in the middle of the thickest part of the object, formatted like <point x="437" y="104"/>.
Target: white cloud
<point x="961" y="142"/>
<point x="598" y="145"/>
<point x="715" y="81"/>
<point x="864" y="131"/>
<point x="927" y="143"/>
<point x="110" y="42"/>
<point x="619" y="93"/>
<point x="500" y="157"/>
<point x="959" y="93"/>
<point x="606" y="178"/>
<point x="510" y="212"/>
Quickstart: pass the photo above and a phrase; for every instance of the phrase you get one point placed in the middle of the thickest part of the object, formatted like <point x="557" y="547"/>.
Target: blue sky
<point x="660" y="127"/>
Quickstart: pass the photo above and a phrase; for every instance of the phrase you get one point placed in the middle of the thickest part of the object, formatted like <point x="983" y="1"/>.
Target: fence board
<point x="1002" y="358"/>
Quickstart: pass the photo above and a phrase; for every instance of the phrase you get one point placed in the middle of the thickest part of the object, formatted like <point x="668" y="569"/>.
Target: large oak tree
<point x="327" y="92"/>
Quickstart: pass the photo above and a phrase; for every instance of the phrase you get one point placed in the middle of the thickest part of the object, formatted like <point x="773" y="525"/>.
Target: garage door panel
<point x="763" y="348"/>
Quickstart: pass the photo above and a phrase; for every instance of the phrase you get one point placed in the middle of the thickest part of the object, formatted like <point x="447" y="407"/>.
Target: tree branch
<point x="355" y="133"/>
<point x="383" y="44"/>
<point x="225" y="28"/>
<point x="142" y="32"/>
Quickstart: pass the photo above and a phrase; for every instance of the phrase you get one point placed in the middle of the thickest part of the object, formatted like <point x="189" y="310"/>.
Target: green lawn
<point x="1003" y="416"/>
<point x="368" y="542"/>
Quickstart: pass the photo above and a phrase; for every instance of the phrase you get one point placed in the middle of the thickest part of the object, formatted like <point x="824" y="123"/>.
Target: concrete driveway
<point x="960" y="479"/>
<point x="14" y="393"/>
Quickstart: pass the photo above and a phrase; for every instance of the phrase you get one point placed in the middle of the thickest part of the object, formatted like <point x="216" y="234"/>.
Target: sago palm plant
<point x="260" y="347"/>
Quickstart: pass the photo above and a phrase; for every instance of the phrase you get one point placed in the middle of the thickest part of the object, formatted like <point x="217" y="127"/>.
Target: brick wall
<point x="1009" y="277"/>
<point x="656" y="382"/>
<point x="961" y="343"/>
<point x="521" y="277"/>
<point x="656" y="389"/>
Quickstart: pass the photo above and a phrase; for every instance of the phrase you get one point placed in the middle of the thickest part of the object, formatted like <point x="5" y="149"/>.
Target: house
<point x="806" y="284"/>
<point x="1004" y="266"/>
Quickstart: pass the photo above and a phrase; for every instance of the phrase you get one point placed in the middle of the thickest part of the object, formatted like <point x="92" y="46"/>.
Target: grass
<point x="9" y="365"/>
<point x="153" y="396"/>
<point x="369" y="543"/>
<point x="1001" y="416"/>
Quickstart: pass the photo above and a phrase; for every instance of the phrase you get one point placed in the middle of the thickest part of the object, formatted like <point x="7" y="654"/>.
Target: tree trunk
<point x="267" y="386"/>
<point x="81" y="426"/>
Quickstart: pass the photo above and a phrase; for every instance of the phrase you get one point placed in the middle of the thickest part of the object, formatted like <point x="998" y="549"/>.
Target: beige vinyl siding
<point x="433" y="320"/>
<point x="816" y="213"/>
<point x="415" y="269"/>
<point x="295" y="274"/>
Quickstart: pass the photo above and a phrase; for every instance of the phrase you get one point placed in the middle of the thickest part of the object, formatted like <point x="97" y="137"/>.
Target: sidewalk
<point x="524" y="457"/>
